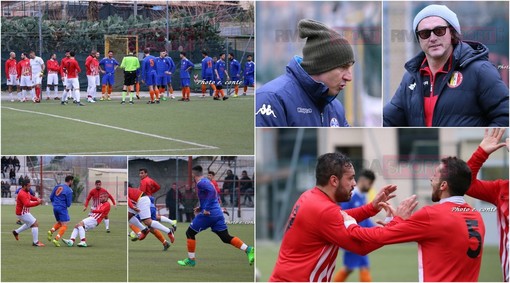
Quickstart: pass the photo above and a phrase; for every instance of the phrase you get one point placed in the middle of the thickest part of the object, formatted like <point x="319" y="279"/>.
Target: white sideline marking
<point x="115" y="128"/>
<point x="134" y="151"/>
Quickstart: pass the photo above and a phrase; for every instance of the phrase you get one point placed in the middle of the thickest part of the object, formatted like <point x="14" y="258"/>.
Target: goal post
<point x="120" y="45"/>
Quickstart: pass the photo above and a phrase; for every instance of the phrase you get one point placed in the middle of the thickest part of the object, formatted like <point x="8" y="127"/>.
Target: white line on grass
<point x="134" y="151"/>
<point x="115" y="128"/>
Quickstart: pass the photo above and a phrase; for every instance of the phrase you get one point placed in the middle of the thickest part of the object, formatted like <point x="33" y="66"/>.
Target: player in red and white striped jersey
<point x="52" y="79"/>
<point x="24" y="201"/>
<point x="12" y="75"/>
<point x="449" y="234"/>
<point x="315" y="230"/>
<point x="495" y="192"/>
<point x="24" y="70"/>
<point x="96" y="216"/>
<point x="95" y="195"/>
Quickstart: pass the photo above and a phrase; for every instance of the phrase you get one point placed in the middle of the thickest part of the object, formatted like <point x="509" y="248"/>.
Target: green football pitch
<point x="201" y="126"/>
<point x="216" y="261"/>
<point x="105" y="260"/>
<point x="392" y="263"/>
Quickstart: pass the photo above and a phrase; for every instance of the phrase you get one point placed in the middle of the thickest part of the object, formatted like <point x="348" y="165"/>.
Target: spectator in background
<point x="6" y="189"/>
<point x="229" y="187"/>
<point x="189" y="202"/>
<point x="172" y="201"/>
<point x="20" y="180"/>
<point x="246" y="188"/>
<point x="15" y="163"/>
<point x="12" y="176"/>
<point x="4" y="166"/>
<point x="9" y="163"/>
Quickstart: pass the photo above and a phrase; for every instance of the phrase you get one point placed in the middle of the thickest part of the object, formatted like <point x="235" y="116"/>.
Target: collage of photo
<point x="369" y="141"/>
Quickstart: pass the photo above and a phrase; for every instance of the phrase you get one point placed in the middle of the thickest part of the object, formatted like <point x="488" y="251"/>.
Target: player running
<point x="249" y="74"/>
<point x="11" y="74"/>
<point x="107" y="66"/>
<point x="52" y="78"/>
<point x="24" y="70"/>
<point x="95" y="195"/>
<point x="24" y="201"/>
<point x="37" y="64"/>
<point x="235" y="73"/>
<point x="210" y="215"/>
<point x="61" y="198"/>
<point x="207" y="73"/>
<point x="186" y="67"/>
<point x="89" y="223"/>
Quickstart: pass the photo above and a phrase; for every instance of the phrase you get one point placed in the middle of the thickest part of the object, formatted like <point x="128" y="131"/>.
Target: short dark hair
<point x="69" y="178"/>
<point x="457" y="175"/>
<point x="146" y="51"/>
<point x="98" y="181"/>
<point x="249" y="56"/>
<point x="183" y="53"/>
<point x="197" y="170"/>
<point x="72" y="53"/>
<point x="212" y="173"/>
<point x="221" y="54"/>
<point x="330" y="164"/>
<point x="143" y="169"/>
<point x="231" y="54"/>
<point x="204" y="52"/>
<point x="369" y="174"/>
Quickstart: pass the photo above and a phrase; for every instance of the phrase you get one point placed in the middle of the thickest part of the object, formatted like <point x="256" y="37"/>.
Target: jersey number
<point x="471" y="224"/>
<point x="58" y="191"/>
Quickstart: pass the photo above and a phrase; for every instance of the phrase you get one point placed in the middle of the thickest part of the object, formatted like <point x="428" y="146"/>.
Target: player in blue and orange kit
<point x="351" y="260"/>
<point x="169" y="88"/>
<point x="249" y="74"/>
<point x="210" y="215"/>
<point x="61" y="198"/>
<point x="220" y="71"/>
<point x="235" y="73"/>
<point x="149" y="75"/>
<point x="107" y="66"/>
<point x="163" y="70"/>
<point x="186" y="67"/>
<point x="207" y="73"/>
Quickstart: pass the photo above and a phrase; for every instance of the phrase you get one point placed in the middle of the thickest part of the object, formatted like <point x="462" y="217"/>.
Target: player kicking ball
<point x="90" y="222"/>
<point x="210" y="215"/>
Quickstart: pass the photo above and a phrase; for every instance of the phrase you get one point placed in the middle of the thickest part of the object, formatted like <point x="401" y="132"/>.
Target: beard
<point x="342" y="194"/>
<point x="436" y="194"/>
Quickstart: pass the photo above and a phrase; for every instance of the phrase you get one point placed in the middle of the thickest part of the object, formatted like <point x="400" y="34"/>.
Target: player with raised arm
<point x="37" y="64"/>
<point x="495" y="192"/>
<point x="95" y="196"/>
<point x="24" y="70"/>
<point x="249" y="74"/>
<point x="89" y="223"/>
<point x="186" y="67"/>
<point x="61" y="198"/>
<point x="449" y="234"/>
<point x="210" y="215"/>
<point x="107" y="66"/>
<point x="24" y="201"/>
<point x="52" y="78"/>
<point x="11" y="74"/>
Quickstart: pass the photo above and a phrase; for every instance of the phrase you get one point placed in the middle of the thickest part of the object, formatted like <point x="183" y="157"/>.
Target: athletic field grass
<point x="104" y="260"/>
<point x="201" y="126"/>
<point x="216" y="261"/>
<point x="392" y="263"/>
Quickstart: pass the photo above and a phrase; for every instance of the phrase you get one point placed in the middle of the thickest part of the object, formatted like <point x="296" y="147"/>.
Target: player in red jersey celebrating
<point x="95" y="195"/>
<point x="89" y="223"/>
<point x="495" y="192"/>
<point x="24" y="201"/>
<point x="315" y="230"/>
<point x="449" y="234"/>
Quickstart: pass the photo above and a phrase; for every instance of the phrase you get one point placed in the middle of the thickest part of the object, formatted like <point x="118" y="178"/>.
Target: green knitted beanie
<point x="325" y="49"/>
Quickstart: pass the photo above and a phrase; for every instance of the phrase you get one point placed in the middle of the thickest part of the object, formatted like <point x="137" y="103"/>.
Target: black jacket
<point x="480" y="100"/>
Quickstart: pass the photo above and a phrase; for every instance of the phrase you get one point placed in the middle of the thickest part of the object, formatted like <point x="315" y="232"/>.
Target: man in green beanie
<point x="305" y="95"/>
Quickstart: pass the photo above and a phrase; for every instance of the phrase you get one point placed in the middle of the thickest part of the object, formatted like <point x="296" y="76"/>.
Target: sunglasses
<point x="438" y="31"/>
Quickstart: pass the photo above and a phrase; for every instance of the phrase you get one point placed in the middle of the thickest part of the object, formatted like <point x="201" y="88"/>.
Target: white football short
<point x="27" y="218"/>
<point x="36" y="79"/>
<point x="52" y="79"/>
<point x="89" y="223"/>
<point x="26" y="81"/>
<point x="13" y="80"/>
<point x="72" y="84"/>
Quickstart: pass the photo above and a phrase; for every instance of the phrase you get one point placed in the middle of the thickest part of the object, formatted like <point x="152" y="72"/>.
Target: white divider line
<point x="113" y="127"/>
<point x="132" y="151"/>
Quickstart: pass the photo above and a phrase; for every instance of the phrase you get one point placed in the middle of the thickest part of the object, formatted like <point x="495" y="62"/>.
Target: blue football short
<point x="61" y="214"/>
<point x="202" y="222"/>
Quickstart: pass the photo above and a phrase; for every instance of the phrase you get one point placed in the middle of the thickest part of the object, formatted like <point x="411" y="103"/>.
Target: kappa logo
<point x="455" y="80"/>
<point x="265" y="110"/>
<point x="304" y="110"/>
<point x="334" y="123"/>
<point x="412" y="86"/>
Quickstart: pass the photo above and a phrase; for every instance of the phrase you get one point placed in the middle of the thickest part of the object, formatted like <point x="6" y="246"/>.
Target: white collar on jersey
<point x="454" y="199"/>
